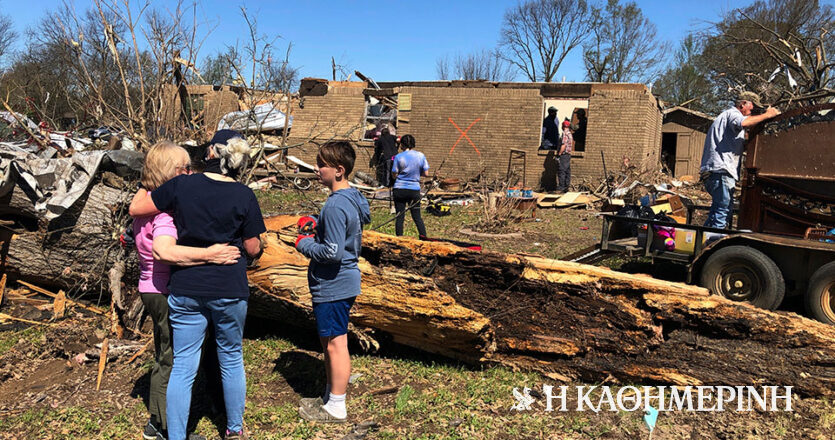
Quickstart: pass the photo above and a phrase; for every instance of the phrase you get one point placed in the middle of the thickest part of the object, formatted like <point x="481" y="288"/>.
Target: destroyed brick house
<point x="682" y="140"/>
<point x="467" y="128"/>
<point x="206" y="105"/>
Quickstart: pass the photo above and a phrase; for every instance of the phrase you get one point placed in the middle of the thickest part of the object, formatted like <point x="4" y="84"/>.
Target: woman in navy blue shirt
<point x="209" y="208"/>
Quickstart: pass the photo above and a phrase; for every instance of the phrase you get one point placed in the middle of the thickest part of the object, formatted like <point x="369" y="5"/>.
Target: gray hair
<point x="234" y="155"/>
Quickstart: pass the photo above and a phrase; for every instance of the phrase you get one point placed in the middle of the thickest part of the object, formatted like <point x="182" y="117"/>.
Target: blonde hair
<point x="234" y="155"/>
<point x="161" y="164"/>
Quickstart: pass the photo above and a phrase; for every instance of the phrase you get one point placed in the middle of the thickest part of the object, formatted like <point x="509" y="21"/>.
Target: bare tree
<point x="623" y="45"/>
<point x="442" y="68"/>
<point x="218" y="69"/>
<point x="484" y="64"/>
<point x="279" y="75"/>
<point x="685" y="82"/>
<point x="119" y="57"/>
<point x="778" y="48"/>
<point x="7" y="35"/>
<point x="537" y="35"/>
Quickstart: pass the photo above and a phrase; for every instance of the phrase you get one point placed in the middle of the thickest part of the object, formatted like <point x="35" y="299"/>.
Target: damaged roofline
<point x="547" y="89"/>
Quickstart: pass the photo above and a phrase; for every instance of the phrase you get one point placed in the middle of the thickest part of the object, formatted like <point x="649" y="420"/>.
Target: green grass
<point x="32" y="336"/>
<point x="275" y="201"/>
<point x="436" y="399"/>
<point x="74" y="422"/>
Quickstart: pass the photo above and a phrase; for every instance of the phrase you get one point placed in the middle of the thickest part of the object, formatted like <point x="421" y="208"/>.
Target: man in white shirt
<point x="723" y="148"/>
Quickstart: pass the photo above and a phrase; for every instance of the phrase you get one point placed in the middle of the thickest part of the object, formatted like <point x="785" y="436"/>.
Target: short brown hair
<point x="339" y="153"/>
<point x="161" y="163"/>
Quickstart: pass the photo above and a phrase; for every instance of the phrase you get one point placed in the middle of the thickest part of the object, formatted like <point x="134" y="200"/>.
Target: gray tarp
<point x="53" y="185"/>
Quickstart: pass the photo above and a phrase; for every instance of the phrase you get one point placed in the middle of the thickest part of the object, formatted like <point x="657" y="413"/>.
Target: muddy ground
<point x="45" y="392"/>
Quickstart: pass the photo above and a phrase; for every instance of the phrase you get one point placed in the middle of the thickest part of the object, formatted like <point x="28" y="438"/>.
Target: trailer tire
<point x="742" y="273"/>
<point x="820" y="296"/>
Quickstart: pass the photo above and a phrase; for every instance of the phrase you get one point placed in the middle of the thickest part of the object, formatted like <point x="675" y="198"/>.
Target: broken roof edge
<point x="480" y="84"/>
<point x="690" y="111"/>
<point x="509" y="84"/>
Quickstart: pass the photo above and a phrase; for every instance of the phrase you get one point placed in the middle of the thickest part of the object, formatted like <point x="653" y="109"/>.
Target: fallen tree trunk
<point x="567" y="320"/>
<point x="78" y="248"/>
<point x="77" y="251"/>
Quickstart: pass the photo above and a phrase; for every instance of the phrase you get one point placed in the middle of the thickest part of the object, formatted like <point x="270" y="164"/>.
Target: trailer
<point x="776" y="249"/>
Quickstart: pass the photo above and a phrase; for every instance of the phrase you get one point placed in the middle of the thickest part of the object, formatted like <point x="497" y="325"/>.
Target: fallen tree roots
<point x="567" y="320"/>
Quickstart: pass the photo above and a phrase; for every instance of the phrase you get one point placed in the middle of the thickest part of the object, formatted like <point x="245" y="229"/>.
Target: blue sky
<point x="387" y="40"/>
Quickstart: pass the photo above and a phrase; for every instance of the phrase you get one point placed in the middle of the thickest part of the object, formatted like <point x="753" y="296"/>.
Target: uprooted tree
<point x="567" y="320"/>
<point x="778" y="48"/>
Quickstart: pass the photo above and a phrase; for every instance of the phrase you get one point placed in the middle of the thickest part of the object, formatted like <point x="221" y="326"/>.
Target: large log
<point x="78" y="251"/>
<point x="74" y="251"/>
<point x="567" y="320"/>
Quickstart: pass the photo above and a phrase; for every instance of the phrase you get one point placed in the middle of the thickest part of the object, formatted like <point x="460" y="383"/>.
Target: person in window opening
<point x="566" y="148"/>
<point x="406" y="170"/>
<point x="550" y="131"/>
<point x="723" y="148"/>
<point x="579" y="132"/>
<point x="209" y="208"/>
<point x="385" y="148"/>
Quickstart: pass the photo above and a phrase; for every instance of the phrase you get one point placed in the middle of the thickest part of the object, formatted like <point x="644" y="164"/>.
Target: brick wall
<point x="623" y="123"/>
<point x="216" y="104"/>
<point x="501" y="119"/>
<point x="337" y="113"/>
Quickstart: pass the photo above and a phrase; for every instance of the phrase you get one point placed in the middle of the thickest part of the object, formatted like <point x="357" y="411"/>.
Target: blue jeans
<point x="189" y="317"/>
<point x="720" y="186"/>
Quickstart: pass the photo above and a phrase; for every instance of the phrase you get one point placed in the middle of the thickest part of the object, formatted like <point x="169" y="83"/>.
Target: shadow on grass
<point x="305" y="373"/>
<point x="207" y="390"/>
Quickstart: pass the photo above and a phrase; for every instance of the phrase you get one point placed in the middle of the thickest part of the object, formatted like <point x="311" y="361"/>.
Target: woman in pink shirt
<point x="156" y="235"/>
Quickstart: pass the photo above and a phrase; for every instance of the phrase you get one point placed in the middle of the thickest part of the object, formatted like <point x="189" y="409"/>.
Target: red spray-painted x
<point x="463" y="135"/>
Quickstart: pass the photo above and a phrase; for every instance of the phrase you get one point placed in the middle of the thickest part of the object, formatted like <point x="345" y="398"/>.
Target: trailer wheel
<point x="742" y="273"/>
<point x="820" y="297"/>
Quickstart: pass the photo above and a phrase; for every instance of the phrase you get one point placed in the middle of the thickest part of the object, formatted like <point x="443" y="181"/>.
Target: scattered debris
<point x="262" y="118"/>
<point x="384" y="390"/>
<point x="354" y="377"/>
<point x="7" y="317"/>
<point x="102" y="363"/>
<point x="68" y="301"/>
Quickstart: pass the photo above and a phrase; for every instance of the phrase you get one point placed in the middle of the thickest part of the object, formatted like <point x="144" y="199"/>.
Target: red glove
<point x="307" y="228"/>
<point x="307" y="225"/>
<point x="126" y="239"/>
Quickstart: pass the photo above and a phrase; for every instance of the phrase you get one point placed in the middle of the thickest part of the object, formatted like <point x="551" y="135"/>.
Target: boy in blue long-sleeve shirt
<point x="333" y="243"/>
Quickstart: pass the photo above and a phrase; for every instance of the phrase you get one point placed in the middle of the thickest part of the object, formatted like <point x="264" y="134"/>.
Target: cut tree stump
<point x="564" y="319"/>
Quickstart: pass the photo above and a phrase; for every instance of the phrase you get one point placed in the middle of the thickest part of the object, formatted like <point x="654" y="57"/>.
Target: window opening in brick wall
<point x="568" y="109"/>
<point x="380" y="113"/>
<point x="579" y="122"/>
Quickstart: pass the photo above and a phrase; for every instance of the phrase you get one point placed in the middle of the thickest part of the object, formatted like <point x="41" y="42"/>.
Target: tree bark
<point x="76" y="251"/>
<point x="567" y="320"/>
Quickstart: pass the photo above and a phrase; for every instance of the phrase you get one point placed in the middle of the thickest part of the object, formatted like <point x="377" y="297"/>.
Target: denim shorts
<point x="332" y="317"/>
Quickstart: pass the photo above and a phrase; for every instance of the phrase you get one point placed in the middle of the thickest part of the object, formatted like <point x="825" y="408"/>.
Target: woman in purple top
<point x="407" y="170"/>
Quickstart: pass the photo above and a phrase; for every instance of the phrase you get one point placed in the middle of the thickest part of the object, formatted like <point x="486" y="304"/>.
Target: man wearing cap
<point x="723" y="148"/>
<point x="550" y="131"/>
<point x="566" y="147"/>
